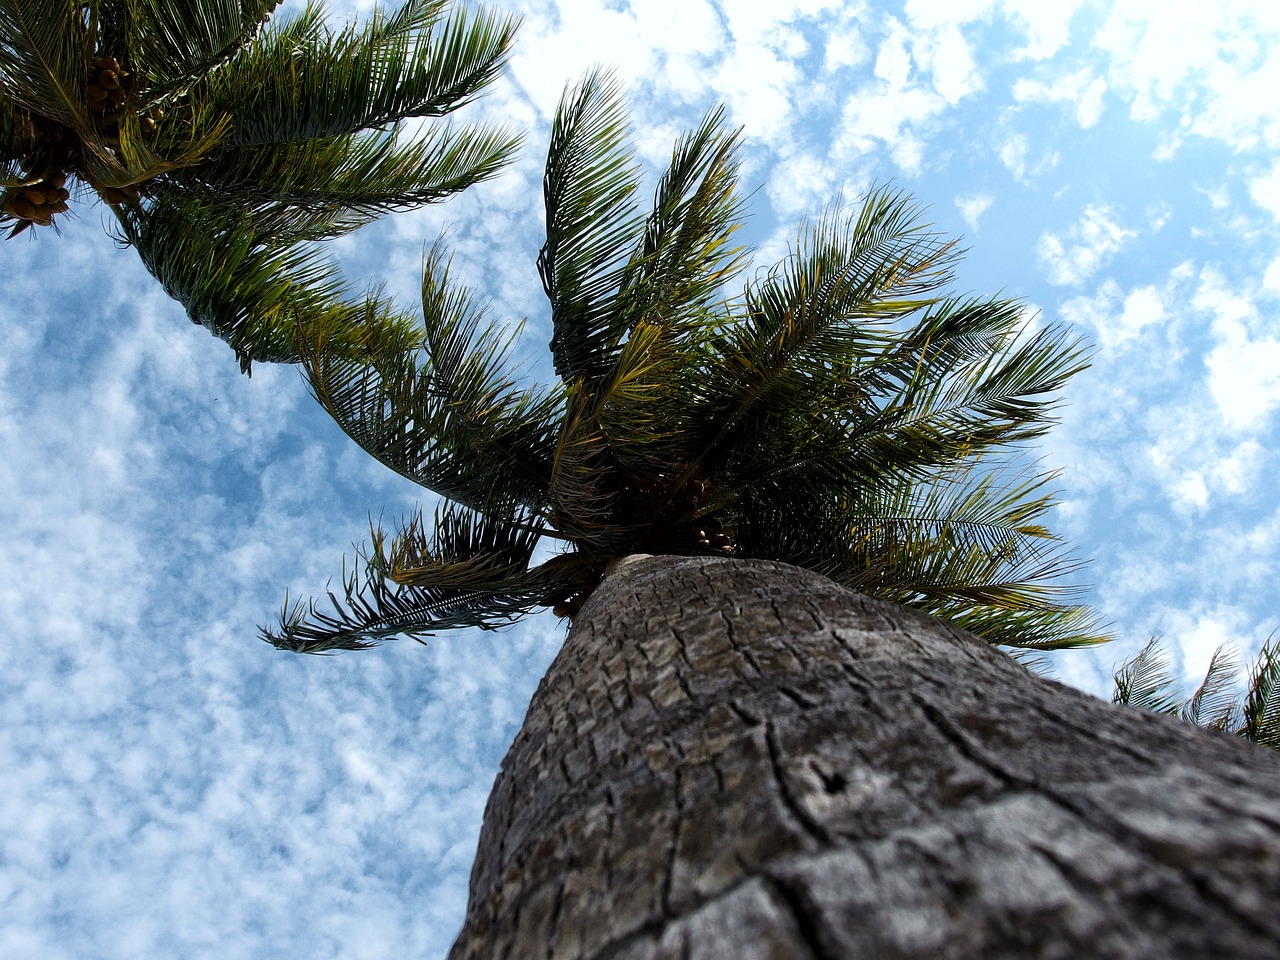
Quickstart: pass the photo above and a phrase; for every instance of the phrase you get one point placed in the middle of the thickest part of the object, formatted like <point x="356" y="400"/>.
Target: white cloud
<point x="1271" y="279"/>
<point x="1045" y="25"/>
<point x="973" y="206"/>
<point x="1212" y="66"/>
<point x="1244" y="364"/>
<point x="1075" y="256"/>
<point x="1265" y="191"/>
<point x="1080" y="88"/>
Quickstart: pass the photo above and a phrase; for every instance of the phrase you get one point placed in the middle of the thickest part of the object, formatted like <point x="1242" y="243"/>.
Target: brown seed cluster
<point x="109" y="85"/>
<point x="38" y="202"/>
<point x="57" y="149"/>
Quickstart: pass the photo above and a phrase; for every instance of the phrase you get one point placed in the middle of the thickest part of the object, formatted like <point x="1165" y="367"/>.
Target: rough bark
<point x="743" y="760"/>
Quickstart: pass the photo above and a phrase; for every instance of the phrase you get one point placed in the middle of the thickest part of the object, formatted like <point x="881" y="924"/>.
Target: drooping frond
<point x="588" y="191"/>
<point x="450" y="416"/>
<point x="468" y="569"/>
<point x="258" y="291"/>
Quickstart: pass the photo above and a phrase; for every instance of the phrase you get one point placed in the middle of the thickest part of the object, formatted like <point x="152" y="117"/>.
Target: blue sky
<point x="175" y="788"/>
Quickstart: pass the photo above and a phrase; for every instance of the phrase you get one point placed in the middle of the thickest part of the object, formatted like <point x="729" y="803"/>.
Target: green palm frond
<point x="228" y="140"/>
<point x="258" y="291"/>
<point x="338" y="184"/>
<point x="1260" y="713"/>
<point x="589" y="185"/>
<point x="178" y="41"/>
<point x="1147" y="681"/>
<point x="684" y="257"/>
<point x="469" y="570"/>
<point x="419" y="62"/>
<point x="42" y="56"/>
<point x="968" y="546"/>
<point x="449" y="417"/>
<point x="1213" y="704"/>
<point x="16" y="140"/>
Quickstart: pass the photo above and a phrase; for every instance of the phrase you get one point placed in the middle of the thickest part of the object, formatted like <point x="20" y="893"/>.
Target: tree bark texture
<point x="742" y="759"/>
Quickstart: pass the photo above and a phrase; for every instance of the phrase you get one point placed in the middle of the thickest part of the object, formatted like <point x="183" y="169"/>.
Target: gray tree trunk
<point x="740" y="759"/>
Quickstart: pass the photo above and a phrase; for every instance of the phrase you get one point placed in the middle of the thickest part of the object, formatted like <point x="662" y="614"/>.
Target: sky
<point x="173" y="787"/>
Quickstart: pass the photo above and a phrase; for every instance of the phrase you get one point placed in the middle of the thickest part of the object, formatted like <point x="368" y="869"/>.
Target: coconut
<point x="109" y="80"/>
<point x="35" y="194"/>
<point x="24" y="208"/>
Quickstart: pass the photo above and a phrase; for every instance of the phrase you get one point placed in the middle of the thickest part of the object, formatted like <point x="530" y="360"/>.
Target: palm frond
<point x="684" y="257"/>
<point x="44" y="46"/>
<point x="177" y="41"/>
<point x="967" y="546"/>
<point x="822" y="311"/>
<point x="470" y="570"/>
<point x="258" y="291"/>
<point x="1146" y="681"/>
<point x="1214" y="705"/>
<point x="419" y="62"/>
<point x="588" y="191"/>
<point x="449" y="417"/>
<point x="16" y="141"/>
<point x="337" y="184"/>
<point x="1260" y="713"/>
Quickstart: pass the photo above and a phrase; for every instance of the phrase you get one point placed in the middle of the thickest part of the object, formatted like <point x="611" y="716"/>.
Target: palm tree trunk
<point x="741" y="759"/>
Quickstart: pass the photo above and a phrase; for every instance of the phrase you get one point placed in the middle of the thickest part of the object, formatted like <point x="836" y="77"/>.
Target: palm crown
<point x="226" y="139"/>
<point x="833" y="415"/>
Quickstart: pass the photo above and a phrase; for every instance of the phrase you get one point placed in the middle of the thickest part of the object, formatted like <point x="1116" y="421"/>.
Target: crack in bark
<point x="801" y="911"/>
<point x="793" y="805"/>
<point x="1093" y="817"/>
<point x="739" y="648"/>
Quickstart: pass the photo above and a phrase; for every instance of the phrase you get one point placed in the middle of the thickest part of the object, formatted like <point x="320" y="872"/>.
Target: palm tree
<point x="227" y="141"/>
<point x="735" y="754"/>
<point x="1147" y="681"/>
<point x="835" y="415"/>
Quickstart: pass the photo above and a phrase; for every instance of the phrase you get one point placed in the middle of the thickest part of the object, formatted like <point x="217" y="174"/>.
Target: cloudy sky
<point x="175" y="788"/>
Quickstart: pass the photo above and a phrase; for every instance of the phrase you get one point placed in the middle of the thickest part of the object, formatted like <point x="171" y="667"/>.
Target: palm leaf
<point x="340" y="183"/>
<point x="588" y="188"/>
<point x="258" y="291"/>
<point x="1214" y="705"/>
<point x="449" y="417"/>
<point x="43" y="52"/>
<point x="1146" y="681"/>
<point x="418" y="62"/>
<point x="1260" y="714"/>
<point x="471" y="570"/>
<point x="177" y="41"/>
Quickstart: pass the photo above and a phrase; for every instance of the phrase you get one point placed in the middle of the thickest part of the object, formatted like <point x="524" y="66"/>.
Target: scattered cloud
<point x="1081" y="88"/>
<point x="1074" y="256"/>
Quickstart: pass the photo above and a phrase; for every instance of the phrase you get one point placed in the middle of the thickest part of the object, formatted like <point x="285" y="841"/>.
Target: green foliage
<point x="1147" y="681"/>
<point x="843" y="412"/>
<point x="231" y="140"/>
